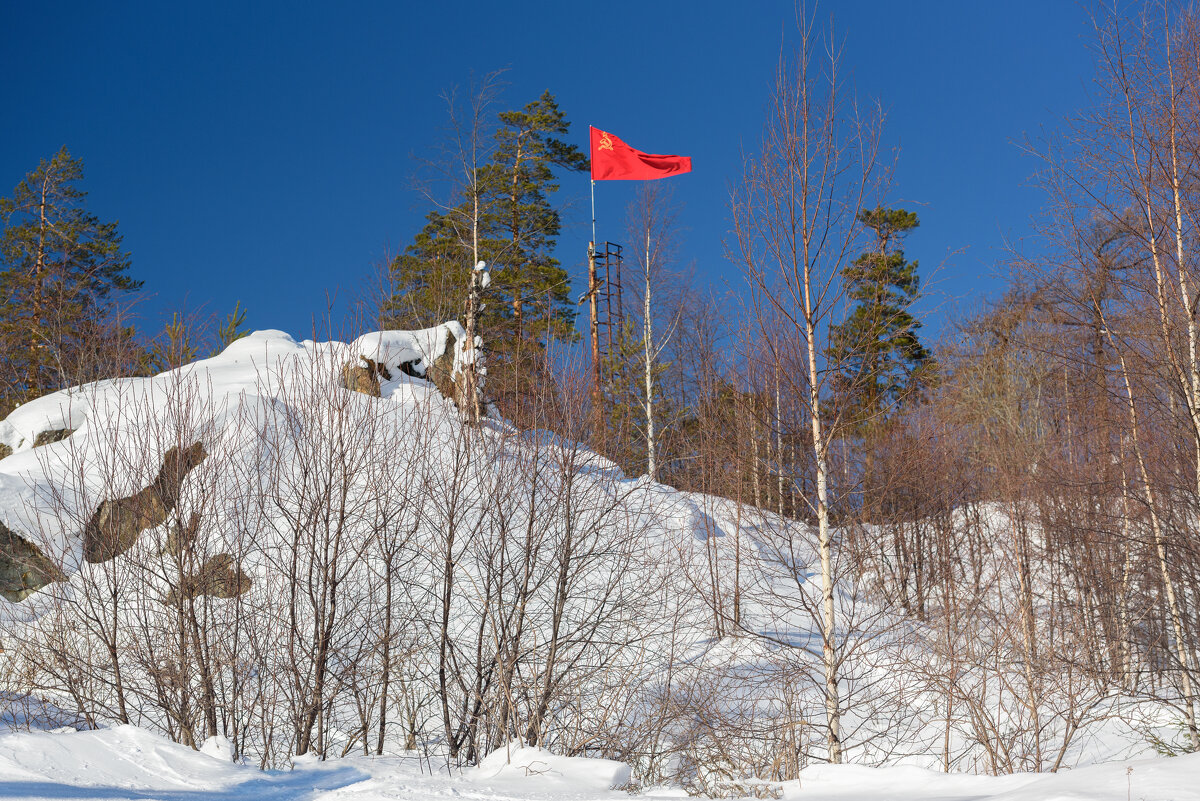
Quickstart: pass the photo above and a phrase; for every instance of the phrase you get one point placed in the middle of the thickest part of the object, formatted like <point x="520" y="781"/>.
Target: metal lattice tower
<point x="605" y="305"/>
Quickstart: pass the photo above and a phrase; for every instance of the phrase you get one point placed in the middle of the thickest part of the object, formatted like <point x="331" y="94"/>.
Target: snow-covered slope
<point x="248" y="541"/>
<point x="130" y="415"/>
<point x="247" y="547"/>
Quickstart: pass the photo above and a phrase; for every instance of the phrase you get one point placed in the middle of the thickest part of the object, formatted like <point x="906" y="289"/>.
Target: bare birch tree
<point x="795" y="217"/>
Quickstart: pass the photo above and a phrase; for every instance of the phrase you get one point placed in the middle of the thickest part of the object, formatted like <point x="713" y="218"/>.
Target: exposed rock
<point x="365" y="379"/>
<point x="360" y="379"/>
<point x="180" y="540"/>
<point x="116" y="525"/>
<point x="378" y="368"/>
<point x="24" y="569"/>
<point x="219" y="577"/>
<point x="441" y="372"/>
<point x="5" y="450"/>
<point x="53" y="435"/>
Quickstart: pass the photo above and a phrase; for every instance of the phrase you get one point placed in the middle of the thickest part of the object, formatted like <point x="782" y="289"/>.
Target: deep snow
<point x="128" y="763"/>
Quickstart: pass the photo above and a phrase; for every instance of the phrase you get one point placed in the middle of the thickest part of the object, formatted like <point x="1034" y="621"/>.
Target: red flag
<point x="613" y="160"/>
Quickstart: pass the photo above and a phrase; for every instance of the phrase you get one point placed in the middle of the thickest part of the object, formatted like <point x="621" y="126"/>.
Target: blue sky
<point x="263" y="152"/>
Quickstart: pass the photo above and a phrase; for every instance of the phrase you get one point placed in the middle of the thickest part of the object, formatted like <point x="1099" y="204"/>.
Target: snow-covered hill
<point x="299" y="547"/>
<point x="248" y="545"/>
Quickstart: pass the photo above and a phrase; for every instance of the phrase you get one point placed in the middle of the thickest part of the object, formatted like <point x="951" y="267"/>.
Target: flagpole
<point x="593" y="211"/>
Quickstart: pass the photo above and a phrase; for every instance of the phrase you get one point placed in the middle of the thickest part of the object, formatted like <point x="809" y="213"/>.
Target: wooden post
<point x="593" y="305"/>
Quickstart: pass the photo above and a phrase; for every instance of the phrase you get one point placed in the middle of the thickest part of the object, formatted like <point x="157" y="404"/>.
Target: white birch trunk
<point x="1160" y="550"/>
<point x="824" y="534"/>
<point x="1188" y="376"/>
<point x="648" y="350"/>
<point x="468" y="395"/>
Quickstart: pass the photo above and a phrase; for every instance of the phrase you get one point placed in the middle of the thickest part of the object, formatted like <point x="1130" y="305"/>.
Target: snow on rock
<point x="420" y="349"/>
<point x="58" y="411"/>
<point x="249" y="373"/>
<point x="516" y="764"/>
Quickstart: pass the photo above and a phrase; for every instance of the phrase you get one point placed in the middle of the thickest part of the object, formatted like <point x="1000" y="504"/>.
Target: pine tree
<point x="429" y="280"/>
<point x="876" y="352"/>
<point x="189" y="337"/>
<point x="528" y="300"/>
<point x="528" y="278"/>
<point x="174" y="347"/>
<point x="61" y="270"/>
<point x="231" y="330"/>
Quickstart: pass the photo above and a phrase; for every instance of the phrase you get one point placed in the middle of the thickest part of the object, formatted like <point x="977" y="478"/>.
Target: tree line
<point x="69" y="296"/>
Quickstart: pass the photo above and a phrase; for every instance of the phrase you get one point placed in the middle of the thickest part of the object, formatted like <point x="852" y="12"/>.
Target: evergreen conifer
<point x="876" y="352"/>
<point x="528" y="300"/>
<point x="61" y="269"/>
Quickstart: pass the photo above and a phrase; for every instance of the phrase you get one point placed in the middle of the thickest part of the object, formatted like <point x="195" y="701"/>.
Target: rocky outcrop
<point x="118" y="523"/>
<point x="180" y="539"/>
<point x="218" y="577"/>
<point x="441" y="372"/>
<point x="53" y="435"/>
<point x="365" y="377"/>
<point x="360" y="379"/>
<point x="24" y="569"/>
<point x="5" y="450"/>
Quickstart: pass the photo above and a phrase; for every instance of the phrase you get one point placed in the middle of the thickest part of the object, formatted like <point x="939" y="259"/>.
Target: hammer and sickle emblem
<point x="605" y="142"/>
